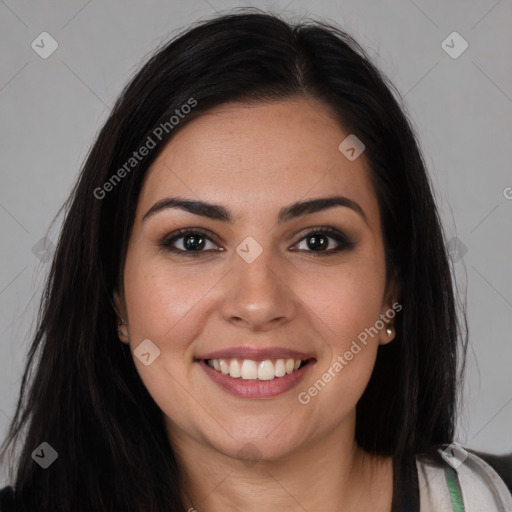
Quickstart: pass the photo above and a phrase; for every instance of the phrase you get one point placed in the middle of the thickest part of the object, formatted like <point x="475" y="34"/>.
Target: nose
<point x="258" y="295"/>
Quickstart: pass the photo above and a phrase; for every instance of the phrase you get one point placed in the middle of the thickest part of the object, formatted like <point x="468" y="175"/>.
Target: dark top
<point x="406" y="497"/>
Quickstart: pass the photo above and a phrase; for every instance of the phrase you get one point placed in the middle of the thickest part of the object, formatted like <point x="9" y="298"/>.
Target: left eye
<point x="195" y="242"/>
<point x="320" y="241"/>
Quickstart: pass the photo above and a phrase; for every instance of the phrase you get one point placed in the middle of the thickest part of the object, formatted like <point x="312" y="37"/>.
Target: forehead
<point x="262" y="155"/>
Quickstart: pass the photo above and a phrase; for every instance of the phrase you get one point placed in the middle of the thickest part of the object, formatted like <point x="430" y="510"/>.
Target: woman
<point x="250" y="304"/>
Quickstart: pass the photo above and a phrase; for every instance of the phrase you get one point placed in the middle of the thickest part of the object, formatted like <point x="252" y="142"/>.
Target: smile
<point x="249" y="372"/>
<point x="249" y="369"/>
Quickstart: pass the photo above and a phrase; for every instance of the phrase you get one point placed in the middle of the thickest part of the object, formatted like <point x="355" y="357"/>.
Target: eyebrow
<point x="219" y="212"/>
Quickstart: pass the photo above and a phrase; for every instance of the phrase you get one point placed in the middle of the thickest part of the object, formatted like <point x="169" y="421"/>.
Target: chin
<point x="258" y="443"/>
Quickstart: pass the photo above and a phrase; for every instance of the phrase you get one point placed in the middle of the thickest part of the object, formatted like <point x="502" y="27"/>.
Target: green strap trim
<point x="454" y="488"/>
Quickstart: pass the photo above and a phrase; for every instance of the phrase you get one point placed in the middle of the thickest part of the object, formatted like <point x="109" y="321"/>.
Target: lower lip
<point x="243" y="388"/>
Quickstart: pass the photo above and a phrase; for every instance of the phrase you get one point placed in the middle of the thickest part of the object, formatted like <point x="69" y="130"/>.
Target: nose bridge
<point x="258" y="294"/>
<point x="256" y="275"/>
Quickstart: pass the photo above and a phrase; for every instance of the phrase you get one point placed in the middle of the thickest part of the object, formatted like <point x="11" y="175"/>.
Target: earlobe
<point x="391" y="307"/>
<point x="122" y="333"/>
<point x="387" y="335"/>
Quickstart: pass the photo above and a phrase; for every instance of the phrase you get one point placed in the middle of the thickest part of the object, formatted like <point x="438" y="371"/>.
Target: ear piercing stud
<point x="389" y="331"/>
<point x="120" y="331"/>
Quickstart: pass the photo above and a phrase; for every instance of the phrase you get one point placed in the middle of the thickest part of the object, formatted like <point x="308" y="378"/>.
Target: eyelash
<point x="343" y="242"/>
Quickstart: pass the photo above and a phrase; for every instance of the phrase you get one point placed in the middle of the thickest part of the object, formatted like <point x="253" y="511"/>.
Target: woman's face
<point x="260" y="283"/>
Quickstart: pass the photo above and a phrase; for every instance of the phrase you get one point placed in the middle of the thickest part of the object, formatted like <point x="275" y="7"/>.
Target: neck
<point x="325" y="474"/>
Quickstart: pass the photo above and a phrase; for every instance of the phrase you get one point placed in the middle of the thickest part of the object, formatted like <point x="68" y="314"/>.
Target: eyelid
<point x="184" y="231"/>
<point x="323" y="229"/>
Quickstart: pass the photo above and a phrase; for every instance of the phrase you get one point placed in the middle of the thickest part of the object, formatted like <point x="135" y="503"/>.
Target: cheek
<point x="163" y="307"/>
<point x="158" y="298"/>
<point x="348" y="305"/>
<point x="348" y="302"/>
<point x="347" y="299"/>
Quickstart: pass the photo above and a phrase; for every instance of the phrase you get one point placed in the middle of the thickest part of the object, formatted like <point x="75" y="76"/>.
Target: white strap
<point x="434" y="494"/>
<point x="482" y="488"/>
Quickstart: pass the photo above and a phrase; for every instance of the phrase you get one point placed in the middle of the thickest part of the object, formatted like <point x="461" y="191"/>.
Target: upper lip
<point x="256" y="354"/>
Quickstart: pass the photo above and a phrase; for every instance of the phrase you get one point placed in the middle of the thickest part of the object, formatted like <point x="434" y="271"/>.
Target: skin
<point x="254" y="160"/>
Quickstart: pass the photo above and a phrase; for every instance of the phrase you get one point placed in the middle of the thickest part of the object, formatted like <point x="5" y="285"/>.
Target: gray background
<point x="52" y="108"/>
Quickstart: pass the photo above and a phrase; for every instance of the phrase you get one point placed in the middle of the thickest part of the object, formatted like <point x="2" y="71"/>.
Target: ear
<point x="390" y="308"/>
<point x="121" y="324"/>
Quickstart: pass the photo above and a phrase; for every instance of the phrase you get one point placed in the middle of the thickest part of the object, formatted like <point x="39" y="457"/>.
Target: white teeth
<point x="234" y="368"/>
<point x="224" y="367"/>
<point x="251" y="370"/>
<point x="266" y="370"/>
<point x="279" y="370"/>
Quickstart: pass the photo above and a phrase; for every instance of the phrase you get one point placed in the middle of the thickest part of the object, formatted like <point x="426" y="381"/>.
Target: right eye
<point x="193" y="242"/>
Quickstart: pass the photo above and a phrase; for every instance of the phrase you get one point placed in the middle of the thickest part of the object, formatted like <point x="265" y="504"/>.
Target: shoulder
<point x="459" y="474"/>
<point x="7" y="499"/>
